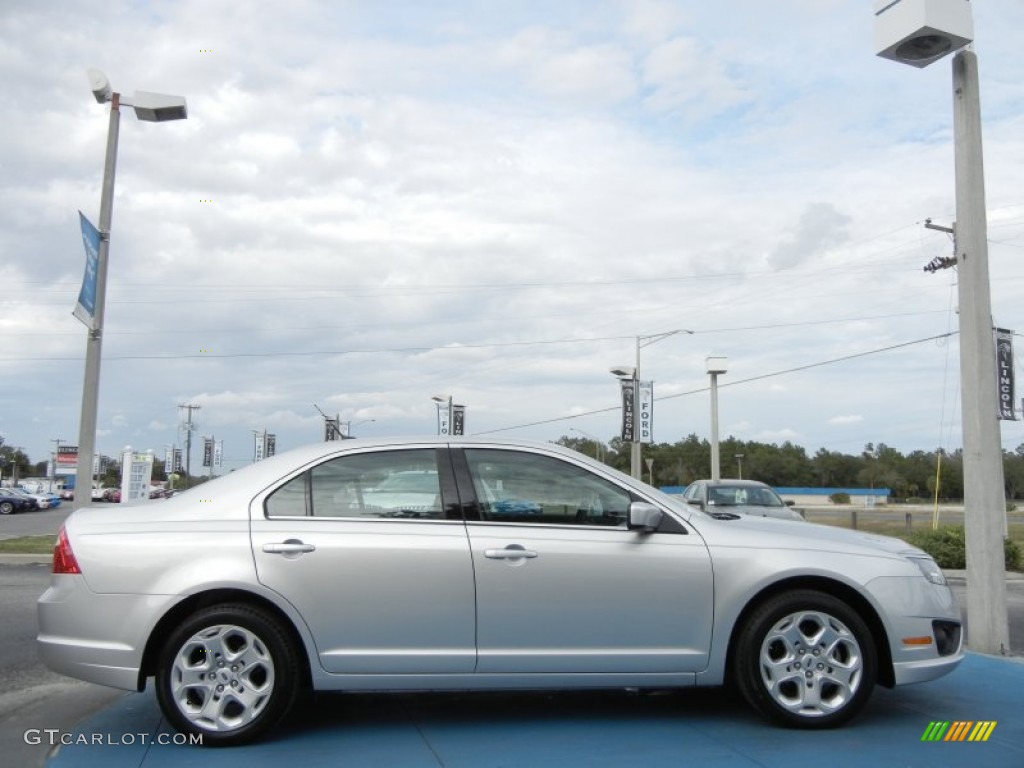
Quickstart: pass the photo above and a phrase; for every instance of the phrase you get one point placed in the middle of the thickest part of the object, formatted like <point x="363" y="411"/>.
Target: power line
<point x="733" y="383"/>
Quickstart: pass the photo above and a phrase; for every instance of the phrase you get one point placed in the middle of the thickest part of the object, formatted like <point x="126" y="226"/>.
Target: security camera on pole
<point x="919" y="33"/>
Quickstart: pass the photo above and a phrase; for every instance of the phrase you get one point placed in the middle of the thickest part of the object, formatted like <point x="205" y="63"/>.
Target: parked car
<point x="11" y="502"/>
<point x="53" y="499"/>
<point x="742" y="497"/>
<point x="38" y="500"/>
<point x="68" y="494"/>
<point x="238" y="596"/>
<point x="410" y="493"/>
<point x="97" y="494"/>
<point x="112" y="494"/>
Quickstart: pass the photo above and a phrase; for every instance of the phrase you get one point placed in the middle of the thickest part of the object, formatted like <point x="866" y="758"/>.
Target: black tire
<point x="6" y="507"/>
<point x="228" y="673"/>
<point x="806" y="659"/>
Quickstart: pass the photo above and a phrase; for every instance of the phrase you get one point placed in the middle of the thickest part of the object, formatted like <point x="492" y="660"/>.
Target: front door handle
<point x="511" y="552"/>
<point x="288" y="547"/>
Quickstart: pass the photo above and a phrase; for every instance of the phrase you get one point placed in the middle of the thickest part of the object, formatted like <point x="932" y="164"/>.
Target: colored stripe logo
<point x="959" y="730"/>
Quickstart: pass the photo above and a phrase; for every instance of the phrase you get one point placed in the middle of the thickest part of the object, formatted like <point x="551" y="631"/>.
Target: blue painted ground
<point x="600" y="729"/>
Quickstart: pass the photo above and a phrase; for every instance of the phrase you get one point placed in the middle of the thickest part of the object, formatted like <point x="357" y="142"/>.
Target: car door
<point x="562" y="585"/>
<point x="384" y="581"/>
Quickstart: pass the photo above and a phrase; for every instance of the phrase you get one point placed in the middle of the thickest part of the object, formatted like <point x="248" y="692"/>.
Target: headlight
<point x="930" y="570"/>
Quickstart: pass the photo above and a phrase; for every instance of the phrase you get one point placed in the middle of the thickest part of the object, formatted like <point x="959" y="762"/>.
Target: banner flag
<point x="442" y="421"/>
<point x="218" y="453"/>
<point x="332" y="429"/>
<point x="628" y="409"/>
<point x="645" y="411"/>
<point x="458" y="419"/>
<point x="258" y="444"/>
<point x="271" y="446"/>
<point x="207" y="452"/>
<point x="85" y="309"/>
<point x="1004" y="373"/>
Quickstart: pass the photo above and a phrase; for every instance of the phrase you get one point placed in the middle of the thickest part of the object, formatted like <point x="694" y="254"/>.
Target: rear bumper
<point x="76" y="624"/>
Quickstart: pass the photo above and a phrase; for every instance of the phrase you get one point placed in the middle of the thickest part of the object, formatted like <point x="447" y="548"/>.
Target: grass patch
<point x="28" y="545"/>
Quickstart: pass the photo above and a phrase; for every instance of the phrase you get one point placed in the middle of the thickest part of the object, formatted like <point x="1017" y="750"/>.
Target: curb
<point x="14" y="558"/>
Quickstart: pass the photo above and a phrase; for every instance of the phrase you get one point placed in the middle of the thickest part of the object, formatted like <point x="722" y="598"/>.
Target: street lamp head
<point x="716" y="364"/>
<point x="441" y="398"/>
<point x="623" y="371"/>
<point x="158" y="107"/>
<point x="100" y="86"/>
<point x="919" y="32"/>
<point x="150" y="107"/>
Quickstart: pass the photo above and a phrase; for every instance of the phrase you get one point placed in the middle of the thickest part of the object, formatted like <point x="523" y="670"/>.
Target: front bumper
<point x="924" y="626"/>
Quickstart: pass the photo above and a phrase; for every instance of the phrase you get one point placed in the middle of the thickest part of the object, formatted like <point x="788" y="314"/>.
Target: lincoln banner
<point x="1004" y="373"/>
<point x="628" y="409"/>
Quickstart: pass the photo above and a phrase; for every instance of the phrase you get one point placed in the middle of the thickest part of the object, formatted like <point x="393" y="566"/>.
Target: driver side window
<point x="516" y="487"/>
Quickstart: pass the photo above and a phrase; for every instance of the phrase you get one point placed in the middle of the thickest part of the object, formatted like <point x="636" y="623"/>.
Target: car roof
<point x="734" y="483"/>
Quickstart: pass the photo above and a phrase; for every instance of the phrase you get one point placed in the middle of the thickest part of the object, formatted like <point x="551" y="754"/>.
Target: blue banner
<point x="85" y="309"/>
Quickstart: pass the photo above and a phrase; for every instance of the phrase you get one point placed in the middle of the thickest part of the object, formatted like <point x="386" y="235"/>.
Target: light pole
<point x="715" y="366"/>
<point x="920" y="32"/>
<point x="633" y="374"/>
<point x="151" y="107"/>
<point x="739" y="466"/>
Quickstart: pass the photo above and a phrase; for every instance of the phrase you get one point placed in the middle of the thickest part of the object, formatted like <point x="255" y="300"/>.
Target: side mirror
<point x="644" y="517"/>
<point x="789" y="502"/>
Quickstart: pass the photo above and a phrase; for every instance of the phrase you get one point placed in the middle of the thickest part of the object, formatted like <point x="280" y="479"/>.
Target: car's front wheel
<point x="806" y="659"/>
<point x="6" y="507"/>
<point x="227" y="673"/>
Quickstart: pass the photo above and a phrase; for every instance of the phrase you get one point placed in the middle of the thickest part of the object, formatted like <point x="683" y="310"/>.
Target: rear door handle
<point x="288" y="547"/>
<point x="511" y="552"/>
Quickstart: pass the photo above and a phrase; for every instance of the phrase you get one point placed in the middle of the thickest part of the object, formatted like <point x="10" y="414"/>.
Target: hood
<point x="793" y="534"/>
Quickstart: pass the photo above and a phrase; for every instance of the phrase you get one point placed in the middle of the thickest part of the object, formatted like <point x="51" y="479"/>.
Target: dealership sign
<point x="637" y="411"/>
<point x="1004" y="373"/>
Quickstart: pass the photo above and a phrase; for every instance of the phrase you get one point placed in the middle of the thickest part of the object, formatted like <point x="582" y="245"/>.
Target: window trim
<point x="451" y="506"/>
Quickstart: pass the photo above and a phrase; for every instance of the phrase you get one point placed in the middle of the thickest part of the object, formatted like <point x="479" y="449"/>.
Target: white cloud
<point x="405" y="206"/>
<point x="840" y="421"/>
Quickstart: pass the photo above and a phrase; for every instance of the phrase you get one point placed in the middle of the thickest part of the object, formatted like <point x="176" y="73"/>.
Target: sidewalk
<point x="606" y="728"/>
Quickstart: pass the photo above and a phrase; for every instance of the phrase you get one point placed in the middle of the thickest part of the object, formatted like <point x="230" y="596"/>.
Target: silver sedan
<point x="528" y="566"/>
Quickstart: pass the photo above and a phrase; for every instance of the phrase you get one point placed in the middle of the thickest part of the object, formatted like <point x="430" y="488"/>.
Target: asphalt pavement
<point x="600" y="729"/>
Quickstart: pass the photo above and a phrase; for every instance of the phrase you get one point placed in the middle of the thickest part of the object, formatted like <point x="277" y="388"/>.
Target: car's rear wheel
<point x="6" y="507"/>
<point x="228" y="673"/>
<point x="806" y="659"/>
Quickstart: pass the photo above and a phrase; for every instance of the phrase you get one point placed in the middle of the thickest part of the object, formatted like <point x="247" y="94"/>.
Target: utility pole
<point x="984" y="490"/>
<point x="53" y="464"/>
<point x="189" y="427"/>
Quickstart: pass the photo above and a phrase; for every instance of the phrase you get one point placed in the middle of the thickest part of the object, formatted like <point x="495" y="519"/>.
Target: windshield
<point x="743" y="496"/>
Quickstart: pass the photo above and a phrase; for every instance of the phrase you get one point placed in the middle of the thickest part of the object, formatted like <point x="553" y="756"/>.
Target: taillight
<point x="63" y="558"/>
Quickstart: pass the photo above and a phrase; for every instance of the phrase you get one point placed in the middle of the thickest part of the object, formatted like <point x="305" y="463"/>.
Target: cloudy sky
<point x="372" y="203"/>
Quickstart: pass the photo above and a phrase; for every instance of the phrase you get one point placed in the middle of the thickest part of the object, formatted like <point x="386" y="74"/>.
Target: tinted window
<point x="386" y="484"/>
<point x="527" y="488"/>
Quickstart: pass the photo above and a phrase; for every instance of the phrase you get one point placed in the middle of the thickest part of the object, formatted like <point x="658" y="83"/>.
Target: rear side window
<point x="385" y="484"/>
